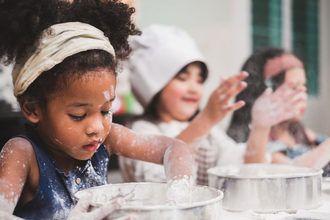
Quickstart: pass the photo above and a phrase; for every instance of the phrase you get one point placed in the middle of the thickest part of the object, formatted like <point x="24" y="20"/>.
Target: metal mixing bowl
<point x="267" y="188"/>
<point x="149" y="201"/>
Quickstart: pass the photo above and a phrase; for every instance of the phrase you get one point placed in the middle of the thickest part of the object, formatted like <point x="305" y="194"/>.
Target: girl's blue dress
<point x="55" y="194"/>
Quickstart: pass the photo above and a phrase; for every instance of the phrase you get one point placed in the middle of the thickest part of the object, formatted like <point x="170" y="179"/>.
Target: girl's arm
<point x="15" y="161"/>
<point x="269" y="109"/>
<point x="176" y="156"/>
<point x="216" y="109"/>
<point x="317" y="157"/>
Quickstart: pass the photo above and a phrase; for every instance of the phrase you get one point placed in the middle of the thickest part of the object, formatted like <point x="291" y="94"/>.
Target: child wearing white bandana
<point x="64" y="78"/>
<point x="288" y="142"/>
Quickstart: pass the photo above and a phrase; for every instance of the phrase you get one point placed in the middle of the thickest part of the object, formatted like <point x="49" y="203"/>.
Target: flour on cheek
<point x="57" y="141"/>
<point x="106" y="95"/>
<point x="112" y="90"/>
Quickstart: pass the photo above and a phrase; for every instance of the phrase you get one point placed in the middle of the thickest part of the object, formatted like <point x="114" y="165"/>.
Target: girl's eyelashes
<point x="109" y="112"/>
<point x="81" y="117"/>
<point x="185" y="76"/>
<point x="181" y="77"/>
<point x="77" y="117"/>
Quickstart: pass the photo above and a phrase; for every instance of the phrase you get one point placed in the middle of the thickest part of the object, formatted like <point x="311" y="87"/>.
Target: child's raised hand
<point x="218" y="105"/>
<point x="85" y="209"/>
<point x="272" y="108"/>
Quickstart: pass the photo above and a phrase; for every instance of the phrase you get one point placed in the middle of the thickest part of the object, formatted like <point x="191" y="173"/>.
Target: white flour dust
<point x="180" y="191"/>
<point x="202" y="203"/>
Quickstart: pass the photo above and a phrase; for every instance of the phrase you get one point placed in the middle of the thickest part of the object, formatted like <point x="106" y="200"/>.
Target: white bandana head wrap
<point x="58" y="42"/>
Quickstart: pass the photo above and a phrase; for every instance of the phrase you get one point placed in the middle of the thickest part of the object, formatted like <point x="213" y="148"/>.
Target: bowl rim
<point x="311" y="172"/>
<point x="219" y="197"/>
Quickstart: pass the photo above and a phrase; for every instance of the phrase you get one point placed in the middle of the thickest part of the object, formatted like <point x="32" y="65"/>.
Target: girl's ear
<point x="31" y="110"/>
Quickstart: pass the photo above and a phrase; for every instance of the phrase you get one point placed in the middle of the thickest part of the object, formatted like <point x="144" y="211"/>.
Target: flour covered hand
<point x="218" y="105"/>
<point x="180" y="190"/>
<point x="85" y="209"/>
<point x="272" y="108"/>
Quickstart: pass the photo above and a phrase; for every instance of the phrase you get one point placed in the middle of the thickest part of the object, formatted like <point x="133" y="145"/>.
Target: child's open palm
<point x="218" y="105"/>
<point x="272" y="108"/>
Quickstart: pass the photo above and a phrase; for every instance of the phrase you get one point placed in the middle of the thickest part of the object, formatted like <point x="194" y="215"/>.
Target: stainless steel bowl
<point x="149" y="201"/>
<point x="267" y="188"/>
<point x="326" y="188"/>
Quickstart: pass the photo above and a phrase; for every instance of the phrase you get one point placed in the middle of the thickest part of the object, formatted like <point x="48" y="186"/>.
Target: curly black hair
<point x="22" y="22"/>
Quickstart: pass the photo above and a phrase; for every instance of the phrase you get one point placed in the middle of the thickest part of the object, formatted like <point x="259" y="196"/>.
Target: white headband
<point x="58" y="42"/>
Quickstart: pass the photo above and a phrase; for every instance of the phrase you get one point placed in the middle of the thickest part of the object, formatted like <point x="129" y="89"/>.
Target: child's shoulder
<point x="17" y="147"/>
<point x="19" y="142"/>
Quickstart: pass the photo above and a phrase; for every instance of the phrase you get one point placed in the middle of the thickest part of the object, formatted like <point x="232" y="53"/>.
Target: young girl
<point x="167" y="76"/>
<point x="65" y="80"/>
<point x="289" y="141"/>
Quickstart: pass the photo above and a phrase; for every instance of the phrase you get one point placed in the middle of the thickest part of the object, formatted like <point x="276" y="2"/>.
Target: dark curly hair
<point x="239" y="126"/>
<point x="22" y="22"/>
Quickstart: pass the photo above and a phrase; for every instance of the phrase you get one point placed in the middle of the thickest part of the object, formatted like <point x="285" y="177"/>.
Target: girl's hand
<point x="85" y="209"/>
<point x="272" y="108"/>
<point x="218" y="105"/>
<point x="180" y="190"/>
